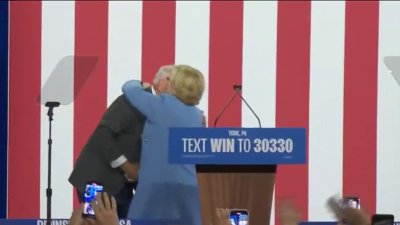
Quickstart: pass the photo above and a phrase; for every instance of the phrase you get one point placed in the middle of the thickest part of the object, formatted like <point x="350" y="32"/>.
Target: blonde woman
<point x="167" y="191"/>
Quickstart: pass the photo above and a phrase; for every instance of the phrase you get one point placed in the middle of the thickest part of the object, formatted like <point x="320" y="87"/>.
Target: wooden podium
<point x="236" y="187"/>
<point x="236" y="166"/>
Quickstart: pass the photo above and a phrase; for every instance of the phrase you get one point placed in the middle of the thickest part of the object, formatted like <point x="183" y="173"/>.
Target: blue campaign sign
<point x="240" y="146"/>
<point x="33" y="222"/>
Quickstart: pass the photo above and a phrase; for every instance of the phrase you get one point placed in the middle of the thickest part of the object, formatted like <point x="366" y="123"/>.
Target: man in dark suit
<point x="111" y="156"/>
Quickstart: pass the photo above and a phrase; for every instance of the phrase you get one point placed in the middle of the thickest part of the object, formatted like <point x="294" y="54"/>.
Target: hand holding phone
<point x="382" y="219"/>
<point x="239" y="217"/>
<point x="348" y="210"/>
<point x="335" y="205"/>
<point x="352" y="202"/>
<point x="76" y="216"/>
<point x="92" y="188"/>
<point x="105" y="210"/>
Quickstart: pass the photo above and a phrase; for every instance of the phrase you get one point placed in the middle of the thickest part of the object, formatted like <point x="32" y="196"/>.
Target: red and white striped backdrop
<point x="317" y="65"/>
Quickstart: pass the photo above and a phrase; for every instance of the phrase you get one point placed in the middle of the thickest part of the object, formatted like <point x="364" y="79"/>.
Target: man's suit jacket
<point x="118" y="133"/>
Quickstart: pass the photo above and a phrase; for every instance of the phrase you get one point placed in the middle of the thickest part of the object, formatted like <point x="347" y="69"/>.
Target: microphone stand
<point x="248" y="106"/>
<point x="226" y="106"/>
<point x="49" y="191"/>
<point x="238" y="89"/>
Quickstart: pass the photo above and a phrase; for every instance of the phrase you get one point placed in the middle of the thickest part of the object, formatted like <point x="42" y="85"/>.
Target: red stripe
<point x="225" y="65"/>
<point x="91" y="31"/>
<point x="24" y="110"/>
<point x="158" y="36"/>
<point x="360" y="102"/>
<point x="292" y="94"/>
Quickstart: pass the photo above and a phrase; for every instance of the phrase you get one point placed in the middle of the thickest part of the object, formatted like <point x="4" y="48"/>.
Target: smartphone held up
<point x="239" y="217"/>
<point x="382" y="219"/>
<point x="352" y="202"/>
<point x="92" y="188"/>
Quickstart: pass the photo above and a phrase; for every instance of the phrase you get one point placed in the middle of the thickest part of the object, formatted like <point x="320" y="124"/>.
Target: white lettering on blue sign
<point x="237" y="133"/>
<point x="273" y="145"/>
<point x="237" y="146"/>
<point x="66" y="222"/>
<point x="222" y="144"/>
<point x="53" y="222"/>
<point x="124" y="222"/>
<point x="192" y="145"/>
<point x="244" y="144"/>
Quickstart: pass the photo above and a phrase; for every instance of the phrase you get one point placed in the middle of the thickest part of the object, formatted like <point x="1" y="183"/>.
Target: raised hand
<point x="105" y="209"/>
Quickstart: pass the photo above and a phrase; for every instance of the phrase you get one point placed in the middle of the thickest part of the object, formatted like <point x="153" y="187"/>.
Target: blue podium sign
<point x="240" y="146"/>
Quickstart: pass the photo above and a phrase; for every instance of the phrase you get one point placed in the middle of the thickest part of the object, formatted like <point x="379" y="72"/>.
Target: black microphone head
<point x="237" y="87"/>
<point x="52" y="104"/>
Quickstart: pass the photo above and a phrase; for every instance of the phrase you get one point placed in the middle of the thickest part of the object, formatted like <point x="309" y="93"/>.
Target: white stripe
<point x="388" y="121"/>
<point x="326" y="106"/>
<point x="57" y="85"/>
<point x="124" y="45"/>
<point x="259" y="67"/>
<point x="192" y="39"/>
<point x="272" y="213"/>
<point x="259" y="62"/>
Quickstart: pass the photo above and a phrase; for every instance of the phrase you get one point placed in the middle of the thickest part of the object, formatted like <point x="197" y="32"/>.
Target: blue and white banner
<point x="66" y="222"/>
<point x="241" y="146"/>
<point x="125" y="222"/>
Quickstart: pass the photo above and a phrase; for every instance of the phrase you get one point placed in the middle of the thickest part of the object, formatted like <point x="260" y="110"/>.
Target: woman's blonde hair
<point x="187" y="84"/>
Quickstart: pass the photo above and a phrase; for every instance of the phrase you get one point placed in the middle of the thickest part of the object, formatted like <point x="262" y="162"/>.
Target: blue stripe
<point x="3" y="105"/>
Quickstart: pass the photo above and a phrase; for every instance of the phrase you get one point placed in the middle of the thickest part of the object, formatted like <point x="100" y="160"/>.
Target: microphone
<point x="52" y="104"/>
<point x="237" y="88"/>
<point x="49" y="191"/>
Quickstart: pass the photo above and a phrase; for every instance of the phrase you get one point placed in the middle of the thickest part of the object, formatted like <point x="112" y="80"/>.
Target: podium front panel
<point x="236" y="187"/>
